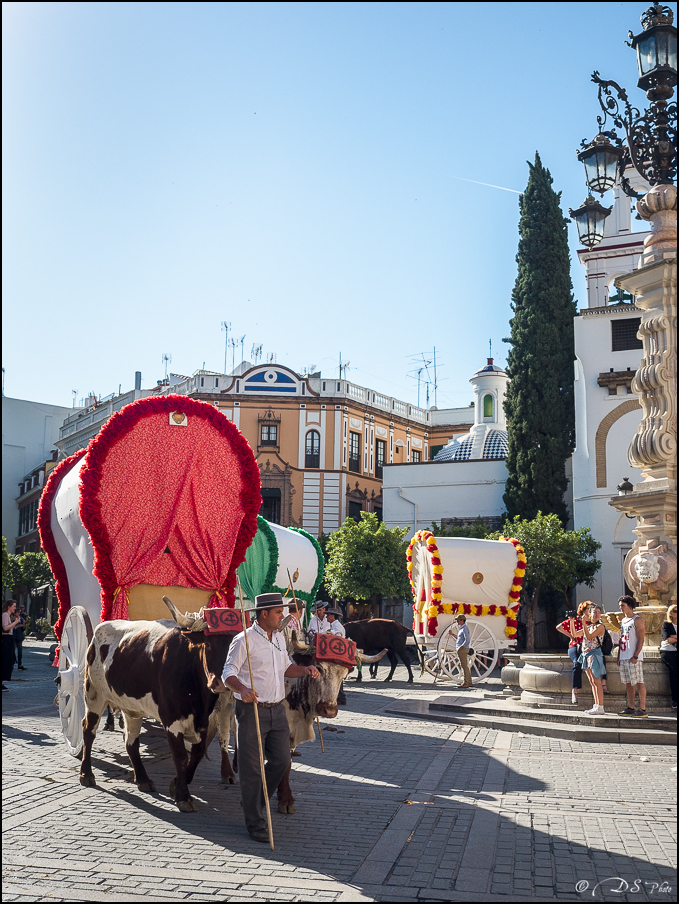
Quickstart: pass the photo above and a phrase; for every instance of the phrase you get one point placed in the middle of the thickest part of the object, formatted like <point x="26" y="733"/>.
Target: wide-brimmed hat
<point x="320" y="604"/>
<point x="267" y="601"/>
<point x="333" y="611"/>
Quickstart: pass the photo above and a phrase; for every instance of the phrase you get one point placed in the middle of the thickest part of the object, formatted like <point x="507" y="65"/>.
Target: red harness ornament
<point x="224" y="621"/>
<point x="333" y="648"/>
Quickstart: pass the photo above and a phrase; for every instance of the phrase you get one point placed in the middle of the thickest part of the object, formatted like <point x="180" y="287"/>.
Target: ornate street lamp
<point x="590" y="219"/>
<point x="625" y="488"/>
<point x="650" y="137"/>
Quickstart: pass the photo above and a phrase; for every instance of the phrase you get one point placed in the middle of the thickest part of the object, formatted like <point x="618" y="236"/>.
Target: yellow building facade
<point x="320" y="443"/>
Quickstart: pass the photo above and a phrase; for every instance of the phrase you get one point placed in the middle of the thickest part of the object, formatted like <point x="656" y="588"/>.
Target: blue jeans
<point x="577" y="668"/>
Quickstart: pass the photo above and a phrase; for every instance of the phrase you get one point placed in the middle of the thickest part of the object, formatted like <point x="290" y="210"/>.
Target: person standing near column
<point x="463" y="644"/>
<point x="270" y="666"/>
<point x="630" y="656"/>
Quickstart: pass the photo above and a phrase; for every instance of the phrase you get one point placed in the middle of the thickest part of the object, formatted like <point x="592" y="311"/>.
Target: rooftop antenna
<point x="490" y="350"/>
<point x="256" y="353"/>
<point x="167" y="359"/>
<point x="343" y="367"/>
<point x="233" y="343"/>
<point x="242" y="347"/>
<point x="435" y="381"/>
<point x="271" y="358"/>
<point x="226" y="327"/>
<point x="75" y="396"/>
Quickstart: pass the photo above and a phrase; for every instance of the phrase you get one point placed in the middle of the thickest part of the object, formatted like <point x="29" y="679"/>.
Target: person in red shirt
<point x="574" y="647"/>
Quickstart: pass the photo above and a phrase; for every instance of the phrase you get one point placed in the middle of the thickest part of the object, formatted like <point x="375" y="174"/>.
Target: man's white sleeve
<point x="235" y="658"/>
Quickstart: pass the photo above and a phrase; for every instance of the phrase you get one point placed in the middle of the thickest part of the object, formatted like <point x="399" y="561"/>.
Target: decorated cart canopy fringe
<point x="169" y="492"/>
<point x="431" y="597"/>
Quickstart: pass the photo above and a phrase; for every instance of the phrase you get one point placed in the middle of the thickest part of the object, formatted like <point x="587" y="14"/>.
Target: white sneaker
<point x="601" y="711"/>
<point x="594" y="711"/>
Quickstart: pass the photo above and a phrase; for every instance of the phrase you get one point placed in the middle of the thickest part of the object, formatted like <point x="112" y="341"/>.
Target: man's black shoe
<point x="262" y="836"/>
<point x="22" y="668"/>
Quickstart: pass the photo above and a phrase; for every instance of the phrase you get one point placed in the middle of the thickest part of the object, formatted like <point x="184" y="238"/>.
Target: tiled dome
<point x="457" y="451"/>
<point x="496" y="444"/>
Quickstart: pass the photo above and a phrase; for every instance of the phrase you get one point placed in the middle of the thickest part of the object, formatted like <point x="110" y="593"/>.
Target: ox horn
<point x="367" y="660"/>
<point x="185" y="622"/>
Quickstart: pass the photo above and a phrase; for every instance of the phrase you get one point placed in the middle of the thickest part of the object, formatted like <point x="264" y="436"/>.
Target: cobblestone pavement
<point x="396" y="809"/>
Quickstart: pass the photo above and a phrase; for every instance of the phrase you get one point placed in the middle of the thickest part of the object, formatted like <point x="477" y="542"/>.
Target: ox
<point x="305" y="699"/>
<point x="373" y="634"/>
<point x="148" y="669"/>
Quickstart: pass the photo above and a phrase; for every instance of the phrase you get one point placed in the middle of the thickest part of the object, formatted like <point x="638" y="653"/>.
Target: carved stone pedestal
<point x="651" y="565"/>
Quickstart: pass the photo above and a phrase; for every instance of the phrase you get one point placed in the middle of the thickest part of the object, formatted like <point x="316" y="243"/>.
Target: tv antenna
<point x="233" y="343"/>
<point x="167" y="359"/>
<point x="271" y="358"/>
<point x="242" y="346"/>
<point x="343" y="367"/>
<point x="75" y="396"/>
<point x="256" y="352"/>
<point x="226" y="327"/>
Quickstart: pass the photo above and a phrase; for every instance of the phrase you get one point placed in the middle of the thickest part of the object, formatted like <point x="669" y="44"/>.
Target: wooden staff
<point x="259" y="735"/>
<point x="318" y="721"/>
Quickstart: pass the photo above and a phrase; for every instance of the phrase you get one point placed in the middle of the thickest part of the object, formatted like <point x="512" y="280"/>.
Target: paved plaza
<point x="396" y="809"/>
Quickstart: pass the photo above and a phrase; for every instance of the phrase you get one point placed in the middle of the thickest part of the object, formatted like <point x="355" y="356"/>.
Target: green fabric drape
<point x="261" y="556"/>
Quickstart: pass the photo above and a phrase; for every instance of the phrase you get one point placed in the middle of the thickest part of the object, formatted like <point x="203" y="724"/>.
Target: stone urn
<point x="653" y="617"/>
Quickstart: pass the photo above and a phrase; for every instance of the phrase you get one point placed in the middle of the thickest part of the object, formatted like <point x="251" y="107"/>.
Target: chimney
<point x="137" y="379"/>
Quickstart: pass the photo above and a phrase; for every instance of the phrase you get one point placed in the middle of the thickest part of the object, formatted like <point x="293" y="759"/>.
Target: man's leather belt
<point x="268" y="705"/>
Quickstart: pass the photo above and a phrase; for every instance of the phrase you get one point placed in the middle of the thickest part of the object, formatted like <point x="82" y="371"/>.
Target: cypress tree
<point x="539" y="402"/>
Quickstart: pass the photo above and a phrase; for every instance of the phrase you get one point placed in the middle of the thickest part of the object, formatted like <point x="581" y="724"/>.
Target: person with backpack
<point x="591" y="658"/>
<point x="605" y="642"/>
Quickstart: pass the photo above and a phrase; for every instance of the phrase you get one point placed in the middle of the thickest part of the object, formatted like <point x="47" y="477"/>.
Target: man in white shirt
<point x="463" y="643"/>
<point x="631" y="655"/>
<point x="270" y="666"/>
<point x="335" y="626"/>
<point x="319" y="623"/>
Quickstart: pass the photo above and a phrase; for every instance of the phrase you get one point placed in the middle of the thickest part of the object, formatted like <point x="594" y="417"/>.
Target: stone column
<point x="651" y="564"/>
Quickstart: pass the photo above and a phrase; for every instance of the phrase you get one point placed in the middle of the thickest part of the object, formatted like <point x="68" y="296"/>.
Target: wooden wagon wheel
<point x="481" y="662"/>
<point x="75" y="639"/>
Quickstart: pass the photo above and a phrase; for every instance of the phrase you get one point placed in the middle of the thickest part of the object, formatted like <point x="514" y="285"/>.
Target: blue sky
<point x="294" y="169"/>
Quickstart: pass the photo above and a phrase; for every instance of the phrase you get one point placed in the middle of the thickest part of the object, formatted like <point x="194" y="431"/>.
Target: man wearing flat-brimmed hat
<point x="270" y="666"/>
<point x="336" y="627"/>
<point x="319" y="623"/>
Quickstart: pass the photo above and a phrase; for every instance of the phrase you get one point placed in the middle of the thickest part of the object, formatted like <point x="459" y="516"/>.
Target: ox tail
<point x="420" y="654"/>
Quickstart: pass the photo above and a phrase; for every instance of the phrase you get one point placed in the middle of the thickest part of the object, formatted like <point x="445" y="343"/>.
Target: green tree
<point x="11" y="572"/>
<point x="539" y="401"/>
<point x="558" y="559"/>
<point x="367" y="560"/>
<point x="34" y="570"/>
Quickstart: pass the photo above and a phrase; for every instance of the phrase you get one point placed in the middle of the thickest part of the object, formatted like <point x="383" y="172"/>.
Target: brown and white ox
<point x="150" y="669"/>
<point x="305" y="699"/>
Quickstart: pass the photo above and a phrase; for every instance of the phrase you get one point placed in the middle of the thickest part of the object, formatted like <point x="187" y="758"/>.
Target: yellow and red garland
<point x="510" y="611"/>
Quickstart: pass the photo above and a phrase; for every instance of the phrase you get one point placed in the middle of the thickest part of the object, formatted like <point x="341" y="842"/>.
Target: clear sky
<point x="294" y="169"/>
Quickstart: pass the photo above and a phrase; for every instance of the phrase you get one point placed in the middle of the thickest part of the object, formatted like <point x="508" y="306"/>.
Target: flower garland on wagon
<point x="436" y="607"/>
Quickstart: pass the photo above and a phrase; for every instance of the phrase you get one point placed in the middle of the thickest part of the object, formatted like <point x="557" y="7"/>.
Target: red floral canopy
<point x="169" y="495"/>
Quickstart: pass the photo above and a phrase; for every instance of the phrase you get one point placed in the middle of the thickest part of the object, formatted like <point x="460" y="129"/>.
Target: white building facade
<point x="466" y="479"/>
<point x="607" y="413"/>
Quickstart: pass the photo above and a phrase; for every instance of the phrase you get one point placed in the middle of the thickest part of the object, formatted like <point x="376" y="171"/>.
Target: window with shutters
<point x="355" y="452"/>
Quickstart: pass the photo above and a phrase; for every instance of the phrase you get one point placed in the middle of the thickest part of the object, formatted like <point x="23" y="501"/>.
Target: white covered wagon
<point x="163" y="501"/>
<point x="481" y="579"/>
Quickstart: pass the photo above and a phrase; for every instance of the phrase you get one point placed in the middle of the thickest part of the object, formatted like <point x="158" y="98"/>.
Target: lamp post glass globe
<point x="590" y="219"/>
<point x="656" y="49"/>
<point x="601" y="160"/>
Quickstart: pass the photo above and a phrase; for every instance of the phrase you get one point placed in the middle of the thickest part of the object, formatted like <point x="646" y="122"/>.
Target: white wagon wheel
<point x="75" y="639"/>
<point x="481" y="662"/>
